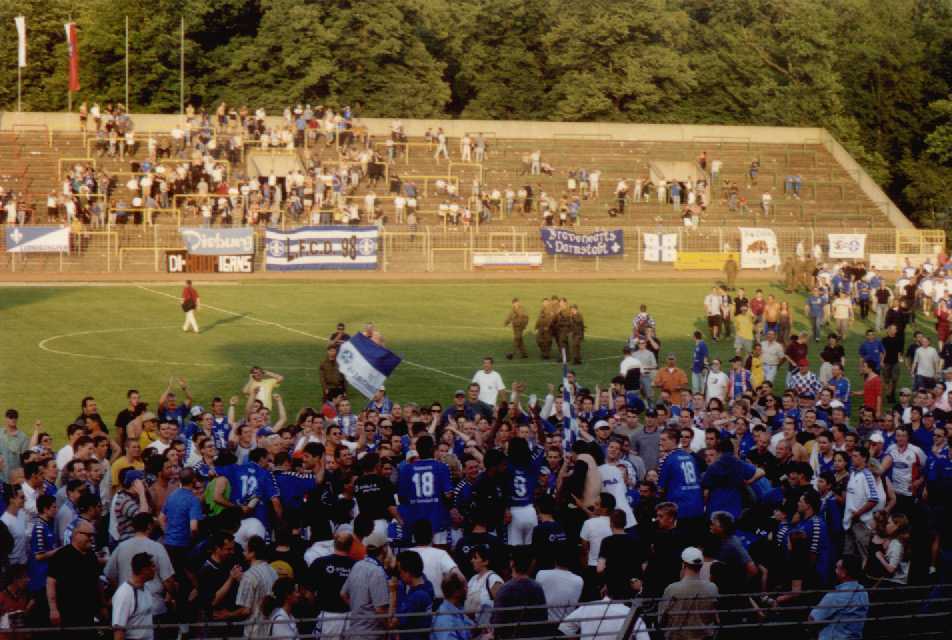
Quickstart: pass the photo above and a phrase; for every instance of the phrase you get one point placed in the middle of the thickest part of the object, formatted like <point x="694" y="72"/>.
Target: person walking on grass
<point x="190" y="304"/>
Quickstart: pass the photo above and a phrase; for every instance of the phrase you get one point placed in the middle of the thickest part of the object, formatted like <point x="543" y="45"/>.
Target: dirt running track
<point x="658" y="274"/>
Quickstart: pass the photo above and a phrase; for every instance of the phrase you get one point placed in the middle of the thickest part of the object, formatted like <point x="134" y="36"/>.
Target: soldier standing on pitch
<point x="562" y="324"/>
<point x="730" y="272"/>
<point x="577" y="333"/>
<point x="543" y="327"/>
<point x="190" y="304"/>
<point x="519" y="320"/>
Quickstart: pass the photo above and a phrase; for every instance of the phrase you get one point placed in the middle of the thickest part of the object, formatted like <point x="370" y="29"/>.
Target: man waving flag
<point x="365" y="363"/>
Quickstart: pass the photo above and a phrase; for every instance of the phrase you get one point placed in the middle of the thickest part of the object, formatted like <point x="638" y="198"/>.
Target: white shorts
<point x="524" y="520"/>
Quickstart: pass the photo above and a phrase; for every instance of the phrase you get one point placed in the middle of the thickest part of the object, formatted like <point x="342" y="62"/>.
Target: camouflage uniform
<point x="577" y="334"/>
<point x="563" y="329"/>
<point x="543" y="328"/>
<point x="519" y="321"/>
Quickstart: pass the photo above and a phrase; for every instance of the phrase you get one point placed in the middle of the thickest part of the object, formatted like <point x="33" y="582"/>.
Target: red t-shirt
<point x="757" y="306"/>
<point x="872" y="390"/>
<point x="189" y="293"/>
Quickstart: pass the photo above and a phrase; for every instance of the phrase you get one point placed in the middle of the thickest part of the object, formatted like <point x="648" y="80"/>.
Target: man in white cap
<point x="687" y="607"/>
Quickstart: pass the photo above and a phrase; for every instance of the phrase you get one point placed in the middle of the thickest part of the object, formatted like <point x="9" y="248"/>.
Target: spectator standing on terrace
<point x="441" y="146"/>
<point x="190" y="304"/>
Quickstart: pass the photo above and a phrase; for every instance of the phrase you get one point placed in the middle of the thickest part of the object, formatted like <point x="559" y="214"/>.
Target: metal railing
<point x="443" y="247"/>
<point x="897" y="611"/>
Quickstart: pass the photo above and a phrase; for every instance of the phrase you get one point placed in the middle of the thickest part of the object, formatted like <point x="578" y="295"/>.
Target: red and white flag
<point x="21" y="46"/>
<point x="72" y="43"/>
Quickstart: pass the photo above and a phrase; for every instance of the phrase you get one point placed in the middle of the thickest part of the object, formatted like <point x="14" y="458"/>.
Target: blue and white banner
<point x="847" y="245"/>
<point x="365" y="364"/>
<point x="601" y="244"/>
<point x="37" y="239"/>
<point x="205" y="241"/>
<point x="331" y="247"/>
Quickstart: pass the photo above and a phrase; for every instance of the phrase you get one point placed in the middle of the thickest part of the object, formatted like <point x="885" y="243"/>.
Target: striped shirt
<point x="861" y="488"/>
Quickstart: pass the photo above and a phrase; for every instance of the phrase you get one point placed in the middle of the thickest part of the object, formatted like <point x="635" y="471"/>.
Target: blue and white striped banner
<point x="365" y="364"/>
<point x="330" y="247"/>
<point x="37" y="239"/>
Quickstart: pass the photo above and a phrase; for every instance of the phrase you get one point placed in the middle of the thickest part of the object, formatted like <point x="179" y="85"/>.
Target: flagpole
<point x="128" y="108"/>
<point x="182" y="67"/>
<point x="69" y="89"/>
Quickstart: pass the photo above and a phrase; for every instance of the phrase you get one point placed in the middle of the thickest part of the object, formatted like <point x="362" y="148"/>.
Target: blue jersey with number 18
<point x="681" y="483"/>
<point x="421" y="487"/>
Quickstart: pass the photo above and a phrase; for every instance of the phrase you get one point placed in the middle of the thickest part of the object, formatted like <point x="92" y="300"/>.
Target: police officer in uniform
<point x="577" y="333"/>
<point x="519" y="320"/>
<point x="730" y="272"/>
<point x="789" y="274"/>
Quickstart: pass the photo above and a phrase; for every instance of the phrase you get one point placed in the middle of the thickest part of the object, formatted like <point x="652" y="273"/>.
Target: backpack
<point x="481" y="613"/>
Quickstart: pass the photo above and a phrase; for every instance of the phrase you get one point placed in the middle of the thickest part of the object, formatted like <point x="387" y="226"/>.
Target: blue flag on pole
<point x="365" y="364"/>
<point x="570" y="423"/>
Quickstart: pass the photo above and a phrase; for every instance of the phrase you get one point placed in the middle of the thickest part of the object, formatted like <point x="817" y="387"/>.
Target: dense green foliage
<point x="876" y="74"/>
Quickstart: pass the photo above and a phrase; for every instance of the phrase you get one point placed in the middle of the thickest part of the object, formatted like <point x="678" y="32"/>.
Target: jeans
<point x="816" y="323"/>
<point x="924" y="382"/>
<point x="891" y="380"/>
<point x="881" y="316"/>
<point x="697" y="382"/>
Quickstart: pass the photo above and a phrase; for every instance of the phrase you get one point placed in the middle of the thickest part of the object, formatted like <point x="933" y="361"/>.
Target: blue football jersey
<point x="421" y="487"/>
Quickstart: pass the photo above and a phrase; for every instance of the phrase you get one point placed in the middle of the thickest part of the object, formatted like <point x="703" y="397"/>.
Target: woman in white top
<point x="894" y="556"/>
<point x="278" y="605"/>
<point x="482" y="587"/>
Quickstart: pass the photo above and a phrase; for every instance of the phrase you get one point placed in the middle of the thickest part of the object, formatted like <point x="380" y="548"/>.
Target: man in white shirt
<point x="489" y="381"/>
<point x="863" y="494"/>
<point x="712" y="307"/>
<point x="717" y="382"/>
<point x="597" y="529"/>
<point x="437" y="563"/>
<point x="601" y="620"/>
<point x="562" y="587"/>
<point x="772" y="355"/>
<point x="132" y="604"/>
<point x="926" y="365"/>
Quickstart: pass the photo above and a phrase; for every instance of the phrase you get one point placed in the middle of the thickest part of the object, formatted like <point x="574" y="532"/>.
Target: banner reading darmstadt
<point x="601" y="244"/>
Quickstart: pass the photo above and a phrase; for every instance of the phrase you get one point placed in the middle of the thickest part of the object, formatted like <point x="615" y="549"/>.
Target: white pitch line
<point x="44" y="345"/>
<point x="278" y="325"/>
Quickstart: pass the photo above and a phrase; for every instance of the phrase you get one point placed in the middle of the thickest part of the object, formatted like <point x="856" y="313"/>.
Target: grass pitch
<point x="62" y="343"/>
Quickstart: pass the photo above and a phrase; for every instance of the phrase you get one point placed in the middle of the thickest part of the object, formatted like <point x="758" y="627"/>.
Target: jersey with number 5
<point x="421" y="487"/>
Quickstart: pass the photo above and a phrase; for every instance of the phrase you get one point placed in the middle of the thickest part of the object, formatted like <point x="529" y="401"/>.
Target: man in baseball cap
<point x="691" y="601"/>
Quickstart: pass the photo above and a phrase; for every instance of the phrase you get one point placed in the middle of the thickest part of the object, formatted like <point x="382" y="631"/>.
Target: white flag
<point x="21" y="48"/>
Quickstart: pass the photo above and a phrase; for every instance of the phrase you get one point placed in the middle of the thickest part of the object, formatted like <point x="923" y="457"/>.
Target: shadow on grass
<point x="12" y="297"/>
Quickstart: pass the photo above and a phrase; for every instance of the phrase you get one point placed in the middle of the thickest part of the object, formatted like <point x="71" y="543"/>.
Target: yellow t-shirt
<point x="744" y="326"/>
<point x="265" y="389"/>
<point x="756" y="371"/>
<point x="120" y="464"/>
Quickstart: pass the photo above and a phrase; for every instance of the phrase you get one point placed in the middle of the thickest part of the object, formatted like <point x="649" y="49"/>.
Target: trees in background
<point x="876" y="74"/>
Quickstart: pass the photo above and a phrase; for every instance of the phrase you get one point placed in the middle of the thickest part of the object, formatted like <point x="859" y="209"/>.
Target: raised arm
<point x="282" y="413"/>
